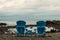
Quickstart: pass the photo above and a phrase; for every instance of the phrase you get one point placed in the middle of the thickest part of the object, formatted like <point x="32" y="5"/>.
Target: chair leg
<point x="31" y="34"/>
<point x="17" y="33"/>
<point x="24" y="34"/>
<point x="37" y="37"/>
<point x="44" y="35"/>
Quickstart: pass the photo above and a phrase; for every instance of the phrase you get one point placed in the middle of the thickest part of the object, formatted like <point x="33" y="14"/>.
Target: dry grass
<point x="49" y="36"/>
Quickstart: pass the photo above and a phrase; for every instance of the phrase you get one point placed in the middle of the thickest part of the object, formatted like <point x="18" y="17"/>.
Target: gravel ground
<point x="49" y="36"/>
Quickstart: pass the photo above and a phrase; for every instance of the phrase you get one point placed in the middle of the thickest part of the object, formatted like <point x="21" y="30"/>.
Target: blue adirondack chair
<point x="41" y="28"/>
<point x="20" y="27"/>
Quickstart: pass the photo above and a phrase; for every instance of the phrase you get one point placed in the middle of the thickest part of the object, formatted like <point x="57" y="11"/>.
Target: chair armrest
<point x="25" y="31"/>
<point x="36" y="31"/>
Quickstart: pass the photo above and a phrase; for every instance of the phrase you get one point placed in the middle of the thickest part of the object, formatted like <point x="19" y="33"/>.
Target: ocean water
<point x="12" y="23"/>
<point x="30" y="19"/>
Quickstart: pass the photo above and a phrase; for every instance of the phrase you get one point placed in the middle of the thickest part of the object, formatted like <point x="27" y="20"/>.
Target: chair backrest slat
<point x="20" y="26"/>
<point x="21" y="23"/>
<point x="41" y="26"/>
<point x="41" y="23"/>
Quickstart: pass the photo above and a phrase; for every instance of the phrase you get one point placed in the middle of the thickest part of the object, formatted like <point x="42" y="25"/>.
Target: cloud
<point x="34" y="7"/>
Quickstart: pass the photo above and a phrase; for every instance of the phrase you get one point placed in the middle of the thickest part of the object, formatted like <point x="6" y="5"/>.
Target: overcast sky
<point x="13" y="10"/>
